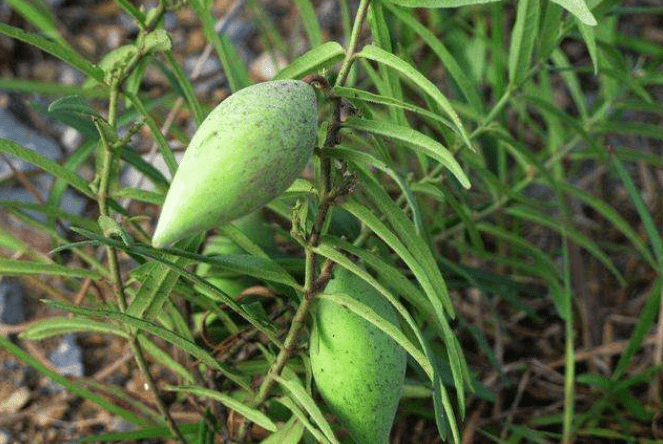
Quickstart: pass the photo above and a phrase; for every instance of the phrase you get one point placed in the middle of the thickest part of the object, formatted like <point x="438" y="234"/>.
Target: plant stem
<point x="352" y="45"/>
<point x="290" y="341"/>
<point x="113" y="262"/>
<point x="326" y="196"/>
<point x="137" y="350"/>
<point x="104" y="183"/>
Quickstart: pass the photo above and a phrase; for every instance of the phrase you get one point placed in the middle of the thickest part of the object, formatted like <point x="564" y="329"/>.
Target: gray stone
<point x="68" y="357"/>
<point x="12" y="302"/>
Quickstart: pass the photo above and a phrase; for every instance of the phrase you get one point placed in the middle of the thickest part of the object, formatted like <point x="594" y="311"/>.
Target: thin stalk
<point x="352" y="45"/>
<point x="113" y="262"/>
<point x="104" y="182"/>
<point x="290" y="341"/>
<point x="312" y="284"/>
<point x="151" y="386"/>
<point x="569" y="353"/>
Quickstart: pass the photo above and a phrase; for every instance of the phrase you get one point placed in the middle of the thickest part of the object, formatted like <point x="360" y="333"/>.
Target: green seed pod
<point x="358" y="369"/>
<point x="248" y="150"/>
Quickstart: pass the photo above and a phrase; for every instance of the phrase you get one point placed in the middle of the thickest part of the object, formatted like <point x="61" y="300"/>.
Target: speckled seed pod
<point x="358" y="369"/>
<point x="248" y="150"/>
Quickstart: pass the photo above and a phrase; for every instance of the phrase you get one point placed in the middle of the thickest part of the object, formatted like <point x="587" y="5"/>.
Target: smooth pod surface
<point x="358" y="369"/>
<point x="247" y="151"/>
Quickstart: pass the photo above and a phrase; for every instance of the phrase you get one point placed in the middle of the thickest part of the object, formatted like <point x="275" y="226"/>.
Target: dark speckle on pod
<point x="248" y="150"/>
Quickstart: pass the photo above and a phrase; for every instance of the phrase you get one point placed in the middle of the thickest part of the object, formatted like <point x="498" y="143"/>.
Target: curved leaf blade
<point x="253" y="415"/>
<point x="576" y="7"/>
<point x="15" y="149"/>
<point x="12" y="267"/>
<point x="314" y="60"/>
<point x="300" y="395"/>
<point x="55" y="326"/>
<point x="414" y="139"/>
<point x="379" y="55"/>
<point x="63" y="53"/>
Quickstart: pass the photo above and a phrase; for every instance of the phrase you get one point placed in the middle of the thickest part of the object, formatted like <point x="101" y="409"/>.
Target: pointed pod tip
<point x="160" y="239"/>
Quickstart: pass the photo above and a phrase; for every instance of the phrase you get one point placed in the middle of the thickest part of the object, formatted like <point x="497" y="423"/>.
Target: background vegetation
<point x="530" y="301"/>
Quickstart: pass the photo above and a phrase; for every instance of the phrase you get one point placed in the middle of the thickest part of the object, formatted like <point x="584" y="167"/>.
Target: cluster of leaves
<point x="394" y="175"/>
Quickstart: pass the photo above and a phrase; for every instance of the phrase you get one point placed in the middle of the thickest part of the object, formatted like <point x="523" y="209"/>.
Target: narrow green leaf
<point x="59" y="326"/>
<point x="613" y="217"/>
<point x="40" y="17"/>
<point x="159" y="255"/>
<point x="648" y="316"/>
<point x="51" y="88"/>
<point x="459" y="75"/>
<point x="367" y="313"/>
<point x="50" y="211"/>
<point x="299" y="414"/>
<point x="589" y="36"/>
<point x="579" y="9"/>
<point x="132" y="10"/>
<point x="314" y="60"/>
<point x="55" y="49"/>
<point x="390" y="86"/>
<point x="149" y="327"/>
<point x="583" y="241"/>
<point x="438" y="3"/>
<point x="572" y="82"/>
<point x="187" y="88"/>
<point x="414" y="139"/>
<point x="139" y="195"/>
<point x="233" y="66"/>
<point x="162" y="144"/>
<point x="73" y="104"/>
<point x="258" y="267"/>
<point x="12" y="267"/>
<point x="12" y="148"/>
<point x="653" y="233"/>
<point x="419" y="80"/>
<point x="144" y="433"/>
<point x="523" y="36"/>
<point x="253" y="415"/>
<point x="390" y="275"/>
<point x="444" y="414"/>
<point x="425" y="269"/>
<point x="155" y="287"/>
<point x="136" y="160"/>
<point x="166" y="359"/>
<point x="551" y="32"/>
<point x="412" y="245"/>
<point x="576" y="7"/>
<point x="290" y="433"/>
<point x="16" y="245"/>
<point x="366" y="96"/>
<point x="238" y="237"/>
<point x="310" y="22"/>
<point x="368" y="161"/>
<point x="299" y="394"/>
<point x="73" y="162"/>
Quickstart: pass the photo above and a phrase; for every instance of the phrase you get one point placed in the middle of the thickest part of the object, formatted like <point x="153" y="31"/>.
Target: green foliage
<point x="451" y="161"/>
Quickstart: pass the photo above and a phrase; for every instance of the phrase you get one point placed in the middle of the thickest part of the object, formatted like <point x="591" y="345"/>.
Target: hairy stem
<point x="352" y="45"/>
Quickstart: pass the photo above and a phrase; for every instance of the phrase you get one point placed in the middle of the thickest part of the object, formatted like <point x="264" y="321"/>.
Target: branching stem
<point x="327" y="195"/>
